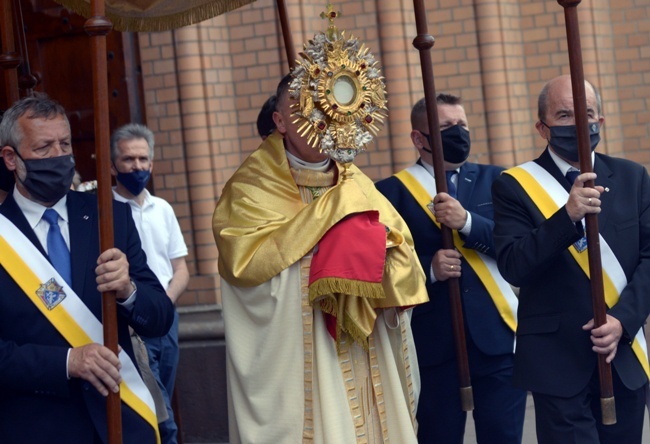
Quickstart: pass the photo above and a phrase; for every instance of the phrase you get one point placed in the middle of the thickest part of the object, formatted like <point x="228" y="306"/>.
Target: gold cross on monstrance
<point x="330" y="14"/>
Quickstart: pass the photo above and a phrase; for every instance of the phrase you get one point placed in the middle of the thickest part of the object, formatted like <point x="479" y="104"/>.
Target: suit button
<point x="466" y="290"/>
<point x="86" y="386"/>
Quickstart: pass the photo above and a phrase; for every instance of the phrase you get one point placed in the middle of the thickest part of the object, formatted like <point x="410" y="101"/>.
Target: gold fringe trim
<point x="344" y="323"/>
<point x="325" y="293"/>
<point x="352" y="329"/>
<point x="332" y="285"/>
<point x="156" y="24"/>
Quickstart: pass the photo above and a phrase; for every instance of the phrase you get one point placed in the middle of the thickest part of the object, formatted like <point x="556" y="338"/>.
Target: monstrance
<point x="339" y="93"/>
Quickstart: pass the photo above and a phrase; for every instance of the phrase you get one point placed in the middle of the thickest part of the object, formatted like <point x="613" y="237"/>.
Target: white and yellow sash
<point x="549" y="196"/>
<point x="44" y="286"/>
<point x="422" y="187"/>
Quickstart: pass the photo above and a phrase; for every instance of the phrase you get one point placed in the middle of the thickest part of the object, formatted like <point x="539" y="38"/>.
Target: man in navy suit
<point x="50" y="391"/>
<point x="539" y="237"/>
<point x="467" y="209"/>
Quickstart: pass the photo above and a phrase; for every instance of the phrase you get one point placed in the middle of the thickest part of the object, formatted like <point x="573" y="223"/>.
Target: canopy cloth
<point x="156" y="15"/>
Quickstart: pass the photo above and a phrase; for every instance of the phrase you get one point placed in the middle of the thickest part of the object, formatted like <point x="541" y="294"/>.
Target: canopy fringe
<point x="128" y="21"/>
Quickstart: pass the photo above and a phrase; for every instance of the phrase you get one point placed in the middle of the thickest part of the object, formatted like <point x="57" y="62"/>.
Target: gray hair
<point x="131" y="131"/>
<point x="542" y="101"/>
<point x="38" y="106"/>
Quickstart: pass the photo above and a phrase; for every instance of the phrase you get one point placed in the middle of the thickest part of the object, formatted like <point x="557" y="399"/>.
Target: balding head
<point x="555" y="87"/>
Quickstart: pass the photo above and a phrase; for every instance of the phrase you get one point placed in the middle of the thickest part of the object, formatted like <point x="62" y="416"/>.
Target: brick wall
<point x="205" y="84"/>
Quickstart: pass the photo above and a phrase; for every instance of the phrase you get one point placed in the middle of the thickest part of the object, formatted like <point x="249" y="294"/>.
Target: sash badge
<point x="51" y="293"/>
<point x="581" y="245"/>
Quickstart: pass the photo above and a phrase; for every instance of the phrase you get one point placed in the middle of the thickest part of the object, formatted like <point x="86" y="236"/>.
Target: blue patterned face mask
<point x="564" y="140"/>
<point x="135" y="181"/>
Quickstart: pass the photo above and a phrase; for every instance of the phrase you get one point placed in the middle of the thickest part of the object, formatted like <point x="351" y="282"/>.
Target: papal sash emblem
<point x="51" y="293"/>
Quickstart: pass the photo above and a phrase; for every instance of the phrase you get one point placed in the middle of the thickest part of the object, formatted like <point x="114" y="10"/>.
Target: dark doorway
<point x="59" y="57"/>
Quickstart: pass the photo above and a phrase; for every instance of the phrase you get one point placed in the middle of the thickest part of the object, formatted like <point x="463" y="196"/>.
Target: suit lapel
<point x="605" y="179"/>
<point x="11" y="211"/>
<point x="546" y="162"/>
<point x="466" y="182"/>
<point x="81" y="220"/>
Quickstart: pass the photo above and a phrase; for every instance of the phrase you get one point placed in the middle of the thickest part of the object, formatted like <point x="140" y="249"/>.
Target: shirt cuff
<point x="431" y="275"/>
<point x="467" y="228"/>
<point x="67" y="360"/>
<point x="129" y="302"/>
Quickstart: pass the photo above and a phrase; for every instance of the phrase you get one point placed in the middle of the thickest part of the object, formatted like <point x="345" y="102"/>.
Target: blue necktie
<point x="571" y="176"/>
<point x="451" y="188"/>
<point x="57" y="250"/>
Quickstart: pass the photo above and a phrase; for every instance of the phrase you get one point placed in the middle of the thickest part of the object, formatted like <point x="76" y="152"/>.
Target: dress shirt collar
<point x="34" y="211"/>
<point x="145" y="203"/>
<point x="565" y="166"/>
<point x="429" y="167"/>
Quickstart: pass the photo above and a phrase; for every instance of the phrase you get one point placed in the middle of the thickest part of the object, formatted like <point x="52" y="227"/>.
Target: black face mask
<point x="49" y="179"/>
<point x="564" y="140"/>
<point x="456" y="144"/>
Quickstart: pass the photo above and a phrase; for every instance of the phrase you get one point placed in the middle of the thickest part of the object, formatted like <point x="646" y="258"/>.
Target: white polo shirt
<point x="160" y="234"/>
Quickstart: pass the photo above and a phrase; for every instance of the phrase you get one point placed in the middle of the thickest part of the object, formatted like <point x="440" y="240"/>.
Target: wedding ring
<point x="451" y="267"/>
<point x="589" y="200"/>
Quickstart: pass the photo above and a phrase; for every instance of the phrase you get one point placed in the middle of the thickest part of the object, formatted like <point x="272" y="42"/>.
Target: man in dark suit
<point x="50" y="391"/>
<point x="539" y="237"/>
<point x="467" y="209"/>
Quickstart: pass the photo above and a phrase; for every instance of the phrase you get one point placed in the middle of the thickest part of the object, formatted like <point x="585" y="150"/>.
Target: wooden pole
<point x="584" y="151"/>
<point x="286" y="34"/>
<point x="9" y="60"/>
<point x="424" y="42"/>
<point x="97" y="27"/>
<point x="26" y="81"/>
